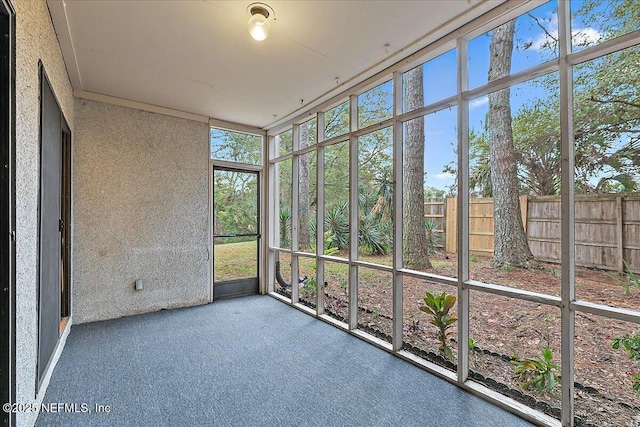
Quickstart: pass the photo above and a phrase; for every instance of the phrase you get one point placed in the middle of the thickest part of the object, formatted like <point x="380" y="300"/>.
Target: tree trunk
<point x="304" y="237"/>
<point x="414" y="237"/>
<point x="510" y="241"/>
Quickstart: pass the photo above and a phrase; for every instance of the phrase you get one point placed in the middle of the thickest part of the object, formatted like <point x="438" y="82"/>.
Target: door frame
<point x="235" y="167"/>
<point x="8" y="215"/>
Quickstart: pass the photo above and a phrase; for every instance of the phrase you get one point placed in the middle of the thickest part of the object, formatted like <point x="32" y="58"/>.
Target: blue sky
<point x="440" y="130"/>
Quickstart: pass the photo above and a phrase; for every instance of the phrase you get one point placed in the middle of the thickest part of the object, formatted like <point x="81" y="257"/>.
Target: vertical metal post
<point x="270" y="202"/>
<point x="295" y="210"/>
<point x="398" y="157"/>
<point x="210" y="229"/>
<point x="274" y="206"/>
<point x="263" y="214"/>
<point x="568" y="213"/>
<point x="463" y="212"/>
<point x="320" y="216"/>
<point x="353" y="213"/>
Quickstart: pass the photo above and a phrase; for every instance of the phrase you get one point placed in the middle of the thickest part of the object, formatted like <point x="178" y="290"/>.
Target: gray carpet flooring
<point x="250" y="361"/>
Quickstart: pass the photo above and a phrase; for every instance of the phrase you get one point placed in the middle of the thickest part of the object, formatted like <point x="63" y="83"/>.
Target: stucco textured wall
<point x="35" y="41"/>
<point x="140" y="211"/>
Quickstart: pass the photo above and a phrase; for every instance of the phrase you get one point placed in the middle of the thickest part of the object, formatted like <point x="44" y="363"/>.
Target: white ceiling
<point x="198" y="57"/>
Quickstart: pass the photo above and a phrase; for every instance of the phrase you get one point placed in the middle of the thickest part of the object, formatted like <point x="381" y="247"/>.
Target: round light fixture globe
<point x="258" y="23"/>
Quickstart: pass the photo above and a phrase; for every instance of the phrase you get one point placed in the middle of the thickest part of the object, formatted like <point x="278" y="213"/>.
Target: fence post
<point x="619" y="234"/>
<point x="451" y="228"/>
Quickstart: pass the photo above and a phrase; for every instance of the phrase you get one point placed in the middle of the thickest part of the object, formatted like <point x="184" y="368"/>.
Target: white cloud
<point x="445" y="175"/>
<point x="544" y="40"/>
<point x="586" y="36"/>
<point x="581" y="36"/>
<point x="479" y="102"/>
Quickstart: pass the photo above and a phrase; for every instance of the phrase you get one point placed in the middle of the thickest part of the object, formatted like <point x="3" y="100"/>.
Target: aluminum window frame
<point x="567" y="302"/>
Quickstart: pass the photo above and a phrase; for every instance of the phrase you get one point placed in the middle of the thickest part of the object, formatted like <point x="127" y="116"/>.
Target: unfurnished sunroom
<point x="455" y="183"/>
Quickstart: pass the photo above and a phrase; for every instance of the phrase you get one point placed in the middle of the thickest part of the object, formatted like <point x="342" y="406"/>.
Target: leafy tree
<point x="606" y="114"/>
<point x="434" y="193"/>
<point x="536" y="133"/>
<point x="235" y="147"/>
<point x="235" y="202"/>
<point x="375" y="189"/>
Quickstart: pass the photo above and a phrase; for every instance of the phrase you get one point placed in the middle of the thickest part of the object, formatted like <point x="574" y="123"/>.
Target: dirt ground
<point x="506" y="328"/>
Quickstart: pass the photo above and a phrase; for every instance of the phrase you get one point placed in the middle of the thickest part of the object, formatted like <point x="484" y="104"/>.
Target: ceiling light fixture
<point x="259" y="22"/>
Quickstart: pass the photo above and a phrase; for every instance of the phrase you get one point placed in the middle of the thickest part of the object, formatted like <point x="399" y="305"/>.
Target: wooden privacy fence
<point x="434" y="212"/>
<point x="607" y="228"/>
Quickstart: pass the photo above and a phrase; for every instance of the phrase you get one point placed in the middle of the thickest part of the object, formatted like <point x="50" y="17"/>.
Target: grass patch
<point x="235" y="261"/>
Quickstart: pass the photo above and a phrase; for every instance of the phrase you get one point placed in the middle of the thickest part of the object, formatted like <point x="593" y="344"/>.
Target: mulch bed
<point x="505" y="328"/>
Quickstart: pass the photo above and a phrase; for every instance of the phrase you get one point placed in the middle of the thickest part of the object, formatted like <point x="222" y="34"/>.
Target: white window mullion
<point x="320" y="215"/>
<point x="353" y="214"/>
<point x="295" y="202"/>
<point x="270" y="209"/>
<point x="568" y="214"/>
<point x="463" y="212"/>
<point x="398" y="157"/>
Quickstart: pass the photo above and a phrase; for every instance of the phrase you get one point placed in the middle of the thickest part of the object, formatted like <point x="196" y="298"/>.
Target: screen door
<point x="236" y="232"/>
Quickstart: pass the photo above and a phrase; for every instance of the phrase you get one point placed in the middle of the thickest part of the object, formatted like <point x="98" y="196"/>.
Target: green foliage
<point x="375" y="179"/>
<point x="606" y="115"/>
<point x="539" y="371"/>
<point x="336" y="225"/>
<point x="472" y="344"/>
<point x="308" y="288"/>
<point x="285" y="226"/>
<point x="328" y="249"/>
<point x="374" y="241"/>
<point x="371" y="234"/>
<point x="336" y="174"/>
<point x="439" y="308"/>
<point x="480" y="173"/>
<point x="431" y="227"/>
<point x="375" y="105"/>
<point x="284" y="142"/>
<point x="235" y="147"/>
<point x="337" y="120"/>
<point x="627" y="279"/>
<point x="434" y="193"/>
<point x="235" y="203"/>
<point x="632" y="345"/>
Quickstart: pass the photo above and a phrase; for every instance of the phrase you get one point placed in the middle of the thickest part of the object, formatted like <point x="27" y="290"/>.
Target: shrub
<point x="371" y="233"/>
<point x="439" y="308"/>
<point x="285" y="226"/>
<point x="336" y="224"/>
<point x="632" y="345"/>
<point x="371" y="238"/>
<point x="308" y="288"/>
<point x="538" y="371"/>
<point x="472" y="344"/>
<point x="430" y="227"/>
